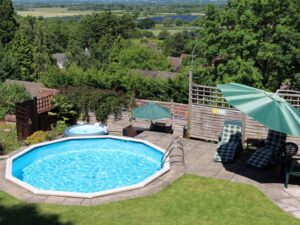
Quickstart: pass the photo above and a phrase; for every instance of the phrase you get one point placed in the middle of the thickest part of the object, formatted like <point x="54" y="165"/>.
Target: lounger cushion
<point x="229" y="144"/>
<point x="262" y="157"/>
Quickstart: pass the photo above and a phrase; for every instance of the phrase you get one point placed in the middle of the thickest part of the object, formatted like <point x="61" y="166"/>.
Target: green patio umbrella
<point x="151" y="111"/>
<point x="265" y="107"/>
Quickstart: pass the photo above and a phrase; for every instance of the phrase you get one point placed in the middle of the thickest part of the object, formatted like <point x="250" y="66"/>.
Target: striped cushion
<point x="230" y="143"/>
<point x="262" y="157"/>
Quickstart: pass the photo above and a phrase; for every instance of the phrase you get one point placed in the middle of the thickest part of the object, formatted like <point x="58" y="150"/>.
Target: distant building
<point x="155" y="74"/>
<point x="61" y="59"/>
<point x="34" y="89"/>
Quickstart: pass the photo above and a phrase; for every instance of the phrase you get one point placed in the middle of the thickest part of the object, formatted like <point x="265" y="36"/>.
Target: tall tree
<point x="8" y="24"/>
<point x="94" y="27"/>
<point x="23" y="53"/>
<point x="41" y="53"/>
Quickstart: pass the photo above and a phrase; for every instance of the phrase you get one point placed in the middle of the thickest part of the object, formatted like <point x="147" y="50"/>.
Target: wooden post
<point x="35" y="120"/>
<point x="190" y="103"/>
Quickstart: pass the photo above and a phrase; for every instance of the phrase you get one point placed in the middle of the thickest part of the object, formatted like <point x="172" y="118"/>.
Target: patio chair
<point x="229" y="142"/>
<point x="288" y="161"/>
<point x="263" y="156"/>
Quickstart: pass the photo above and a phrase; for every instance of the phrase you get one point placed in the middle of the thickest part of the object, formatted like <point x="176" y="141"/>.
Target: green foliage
<point x="177" y="44"/>
<point x="239" y="71"/>
<point x="83" y="99"/>
<point x="163" y="35"/>
<point x="94" y="27"/>
<point x="23" y="52"/>
<point x="142" y="34"/>
<point x="146" y="23"/>
<point x="41" y="53"/>
<point x="37" y="137"/>
<point x="260" y="38"/>
<point x="167" y="21"/>
<point x="57" y="130"/>
<point x="10" y="94"/>
<point x="64" y="110"/>
<point x="8" y="137"/>
<point x="140" y="57"/>
<point x="8" y="65"/>
<point x="8" y="24"/>
<point x="178" y="22"/>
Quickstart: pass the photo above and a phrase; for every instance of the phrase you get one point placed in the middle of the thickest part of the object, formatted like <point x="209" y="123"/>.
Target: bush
<point x="10" y="94"/>
<point x="8" y="138"/>
<point x="84" y="99"/>
<point x="58" y="130"/>
<point x="37" y="137"/>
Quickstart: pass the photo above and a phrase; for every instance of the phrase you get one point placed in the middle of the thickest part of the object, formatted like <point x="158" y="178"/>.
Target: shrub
<point x="37" y="137"/>
<point x="10" y="94"/>
<point x="58" y="130"/>
<point x="8" y="138"/>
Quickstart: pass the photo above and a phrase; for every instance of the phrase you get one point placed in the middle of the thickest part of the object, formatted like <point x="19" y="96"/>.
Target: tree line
<point x="251" y="42"/>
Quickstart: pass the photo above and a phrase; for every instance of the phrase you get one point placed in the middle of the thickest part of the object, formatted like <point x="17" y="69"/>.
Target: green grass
<point x="172" y="29"/>
<point x="8" y="137"/>
<point x="190" y="200"/>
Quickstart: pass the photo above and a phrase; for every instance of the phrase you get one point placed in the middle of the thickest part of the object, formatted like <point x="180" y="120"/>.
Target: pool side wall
<point x="10" y="177"/>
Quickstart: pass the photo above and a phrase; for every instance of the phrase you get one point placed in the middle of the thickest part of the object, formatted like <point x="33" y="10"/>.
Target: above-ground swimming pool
<point x="85" y="130"/>
<point x="86" y="166"/>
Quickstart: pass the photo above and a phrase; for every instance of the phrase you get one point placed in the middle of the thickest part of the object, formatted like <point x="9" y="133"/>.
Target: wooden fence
<point x="32" y="115"/>
<point x="208" y="109"/>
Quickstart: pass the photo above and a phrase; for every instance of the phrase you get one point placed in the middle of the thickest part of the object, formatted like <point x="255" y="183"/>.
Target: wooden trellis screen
<point x="32" y="115"/>
<point x="208" y="109"/>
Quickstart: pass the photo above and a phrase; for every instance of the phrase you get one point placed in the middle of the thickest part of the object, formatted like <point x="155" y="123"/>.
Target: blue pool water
<point x="87" y="165"/>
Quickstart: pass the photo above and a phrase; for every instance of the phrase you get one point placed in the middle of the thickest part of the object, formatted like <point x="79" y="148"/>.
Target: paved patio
<point x="198" y="159"/>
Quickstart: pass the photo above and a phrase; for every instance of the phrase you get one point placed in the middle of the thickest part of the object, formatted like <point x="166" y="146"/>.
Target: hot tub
<point x="85" y="130"/>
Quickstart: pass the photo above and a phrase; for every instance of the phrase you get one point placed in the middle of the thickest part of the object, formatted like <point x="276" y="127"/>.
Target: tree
<point x="163" y="35"/>
<point x="74" y="51"/>
<point x="141" y="57"/>
<point x="179" y="22"/>
<point x="176" y="44"/>
<point x="10" y="94"/>
<point x="167" y="21"/>
<point x="8" y="24"/>
<point x="260" y="37"/>
<point x="146" y="23"/>
<point x="8" y="65"/>
<point x="23" y="53"/>
<point x="94" y="27"/>
<point x="42" y="56"/>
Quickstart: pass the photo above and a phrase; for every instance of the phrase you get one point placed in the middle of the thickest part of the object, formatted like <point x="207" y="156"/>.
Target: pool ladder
<point x="176" y="144"/>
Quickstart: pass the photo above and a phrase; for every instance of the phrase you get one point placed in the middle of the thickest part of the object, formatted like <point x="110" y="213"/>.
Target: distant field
<point x="64" y="12"/>
<point x="57" y="12"/>
<point x="172" y="30"/>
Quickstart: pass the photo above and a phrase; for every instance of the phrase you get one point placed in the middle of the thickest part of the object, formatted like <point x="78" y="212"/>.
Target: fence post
<point x="35" y="121"/>
<point x="190" y="103"/>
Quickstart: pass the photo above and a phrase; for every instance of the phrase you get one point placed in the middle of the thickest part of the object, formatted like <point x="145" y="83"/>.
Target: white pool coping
<point x="10" y="177"/>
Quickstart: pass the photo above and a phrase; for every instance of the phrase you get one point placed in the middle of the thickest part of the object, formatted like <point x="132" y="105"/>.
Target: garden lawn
<point x="190" y="200"/>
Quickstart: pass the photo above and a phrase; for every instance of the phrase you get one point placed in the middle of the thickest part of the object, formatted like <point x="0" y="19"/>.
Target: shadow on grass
<point x="26" y="215"/>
